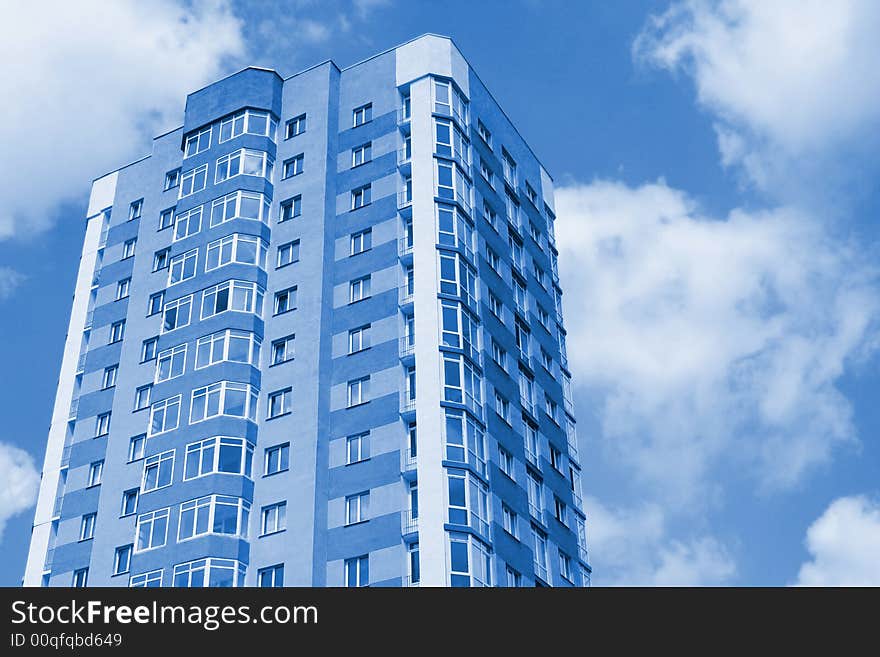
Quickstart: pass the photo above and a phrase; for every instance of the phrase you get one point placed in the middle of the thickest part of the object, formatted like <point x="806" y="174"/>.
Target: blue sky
<point x="713" y="164"/>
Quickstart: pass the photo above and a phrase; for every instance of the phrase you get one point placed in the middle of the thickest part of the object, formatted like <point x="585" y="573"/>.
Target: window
<point x="560" y="511"/>
<point x="279" y="402"/>
<point x="546" y="360"/>
<point x="492" y="260"/>
<point x="357" y="508"/>
<point x="532" y="443"/>
<point x="540" y="553"/>
<point x="295" y="126"/>
<point x="465" y="442"/>
<point x="227" y="345"/>
<point x="80" y="578"/>
<point x="458" y="278"/>
<point x="288" y="253"/>
<point x="531" y="194"/>
<point x="285" y="300"/>
<point x="158" y="470"/>
<point x="172" y="179"/>
<point x="514" y="579"/>
<point x="506" y="463"/>
<point x="136" y="446"/>
<point x="452" y="184"/>
<point x="187" y="223"/>
<point x="508" y="520"/>
<point x="509" y="167"/>
<point x="362" y="114"/>
<point x="243" y="249"/>
<point x="164" y="416"/>
<point x="502" y="407"/>
<point x="154" y="305"/>
<point x="358" y="391"/>
<point x="461" y="382"/>
<point x="449" y="102"/>
<point x="160" y="259"/>
<point x="170" y="363"/>
<point x="293" y="166"/>
<point x="272" y="576"/>
<point x="290" y="208"/>
<point x="122" y="559"/>
<point x="147" y="580"/>
<point x="211" y="572"/>
<point x="129" y="502"/>
<point x="109" y="379"/>
<point x="487" y="174"/>
<point x="193" y="181"/>
<point x="361" y="197"/>
<point x="357" y="571"/>
<point x="469" y="561"/>
<point x="166" y="219"/>
<point x="539" y="274"/>
<point x="245" y="162"/>
<point x="176" y="314"/>
<point x="283" y="350"/>
<point x="235" y="296"/>
<point x="551" y="409"/>
<point x="535" y="232"/>
<point x="152" y="530"/>
<point x="490" y="215"/>
<point x="197" y="142"/>
<point x="128" y="248"/>
<point x="221" y="455"/>
<point x="273" y="518"/>
<point x="117" y="332"/>
<point x="496" y="307"/>
<point x="357" y="448"/>
<point x="102" y="425"/>
<point x="213" y="514"/>
<point x="499" y="355"/>
<point x="361" y="154"/>
<point x="361" y="241"/>
<point x="182" y="267"/>
<point x="277" y="459"/>
<point x="240" y="205"/>
<point x="359" y="289"/>
<point x="87" y="526"/>
<point x="224" y="398"/>
<point x="484" y="133"/>
<point x="535" y="495"/>
<point x="251" y="121"/>
<point x="135" y="210"/>
<point x="359" y="339"/>
<point x="96" y="471"/>
<point x="122" y="288"/>
<point x="142" y="397"/>
<point x="556" y="458"/>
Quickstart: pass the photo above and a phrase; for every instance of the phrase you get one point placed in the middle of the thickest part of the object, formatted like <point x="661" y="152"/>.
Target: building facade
<point x="317" y="340"/>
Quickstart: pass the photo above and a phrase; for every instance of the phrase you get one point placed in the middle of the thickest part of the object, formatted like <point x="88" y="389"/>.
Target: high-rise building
<point x="316" y="340"/>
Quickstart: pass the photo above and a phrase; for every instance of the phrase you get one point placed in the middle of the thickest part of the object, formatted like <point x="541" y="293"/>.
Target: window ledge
<point x="361" y="350"/>
<point x="361" y="207"/>
<point x="277" y="531"/>
<point x="275" y="417"/>
<point x="354" y="524"/>
<point x="364" y="460"/>
<point x="351" y="303"/>
<point x="286" y="264"/>
<point x="277" y="472"/>
<point x="281" y="362"/>
<point x="363" y="403"/>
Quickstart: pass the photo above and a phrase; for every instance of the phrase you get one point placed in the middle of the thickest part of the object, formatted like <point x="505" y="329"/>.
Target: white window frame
<point x="199" y="145"/>
<point x="218" y="348"/>
<point x="206" y="452"/>
<point x="163" y="406"/>
<point x="221" y="389"/>
<point x="151" y="518"/>
<point x="252" y="291"/>
<point x="273" y="518"/>
<point x="162" y="462"/>
<point x="231" y="206"/>
<point x="188" y="223"/>
<point x="357" y="508"/>
<point x="175" y="359"/>
<point x="191" y="178"/>
<point x="182" y="267"/>
<point x="358" y="391"/>
<point x="176" y="305"/>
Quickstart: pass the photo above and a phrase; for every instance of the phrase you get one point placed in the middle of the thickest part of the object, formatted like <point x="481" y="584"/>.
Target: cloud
<point x="19" y="484"/>
<point x="633" y="547"/>
<point x="365" y="7"/>
<point x="94" y="82"/>
<point x="793" y="85"/>
<point x="9" y="281"/>
<point x="710" y="345"/>
<point x="844" y="543"/>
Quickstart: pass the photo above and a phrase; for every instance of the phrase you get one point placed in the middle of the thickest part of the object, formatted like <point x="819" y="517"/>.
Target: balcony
<point x="404" y="199"/>
<point x="407" y="404"/>
<point x="74" y="407"/>
<point x="541" y="571"/>
<point x="405" y="246"/>
<point x="528" y="404"/>
<point x="478" y="525"/>
<point x="404" y="156"/>
<point x="81" y="363"/>
<point x="409" y="581"/>
<point x="407" y="347"/>
<point x="56" y="510"/>
<point x="409" y="522"/>
<point x="90" y="318"/>
<point x="583" y="554"/>
<point x="102" y="240"/>
<point x="406" y="294"/>
<point x="404" y="115"/>
<point x="578" y="500"/>
<point x="408" y="462"/>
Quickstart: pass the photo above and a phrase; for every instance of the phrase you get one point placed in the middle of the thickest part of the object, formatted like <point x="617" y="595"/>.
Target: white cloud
<point x="10" y="279"/>
<point x="19" y="483"/>
<point x="790" y="82"/>
<point x="94" y="81"/>
<point x="844" y="543"/>
<point x="709" y="346"/>
<point x="633" y="547"/>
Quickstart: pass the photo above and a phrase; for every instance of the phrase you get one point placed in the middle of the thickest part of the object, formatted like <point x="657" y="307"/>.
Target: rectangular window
<point x="461" y="382"/>
<point x="228" y="345"/>
<point x="96" y="472"/>
<point x="273" y="518"/>
<point x="272" y="576"/>
<point x="556" y="458"/>
<point x="224" y="398"/>
<point x="535" y="490"/>
<point x="276" y="459"/>
<point x="194" y="180"/>
<point x="496" y="307"/>
<point x="514" y="579"/>
<point x="484" y="133"/>
<point x="502" y="407"/>
<point x="135" y="210"/>
<point x="509" y="166"/>
<point x="182" y="267"/>
<point x="531" y="194"/>
<point x="358" y="391"/>
<point x="547" y="360"/>
<point x="238" y="248"/>
<point x="213" y="514"/>
<point x="164" y="416"/>
<point x="152" y="529"/>
<point x="487" y="174"/>
<point x="361" y="241"/>
<point x="280" y="402"/>
<point x="235" y="296"/>
<point x="361" y="154"/>
<point x="240" y="205"/>
<point x="220" y="455"/>
<point x="499" y="355"/>
<point x="142" y="397"/>
<point x="136" y="446"/>
<point x="362" y="115"/>
<point x="283" y="350"/>
<point x="293" y="166"/>
<point x="80" y="578"/>
<point x="506" y="463"/>
<point x="129" y="502"/>
<point x="285" y="300"/>
<point x="540" y="553"/>
<point x="211" y="573"/>
<point x="151" y="579"/>
<point x="149" y="347"/>
<point x="117" y="332"/>
<point x="361" y="196"/>
<point x="87" y="526"/>
<point x="551" y="409"/>
<point x="359" y="289"/>
<point x="122" y="288"/>
<point x="565" y="566"/>
<point x="560" y="511"/>
<point x="160" y="259"/>
<point x="250" y="121"/>
<point x="122" y="559"/>
<point x="290" y="208"/>
<point x="166" y="219"/>
<point x="128" y="248"/>
<point x="357" y="571"/>
<point x="102" y="425"/>
<point x="187" y="223"/>
<point x="288" y="253"/>
<point x="295" y="126"/>
<point x="176" y="314"/>
<point x="357" y="448"/>
<point x="508" y="520"/>
<point x="359" y="339"/>
<point x="158" y="470"/>
<point x="197" y="142"/>
<point x="154" y="305"/>
<point x="170" y="363"/>
<point x="109" y="379"/>
<point x="172" y="179"/>
<point x="244" y="162"/>
<point x="357" y="508"/>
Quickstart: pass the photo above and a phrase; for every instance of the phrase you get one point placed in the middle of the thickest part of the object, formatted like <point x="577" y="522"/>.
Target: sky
<point x="714" y="166"/>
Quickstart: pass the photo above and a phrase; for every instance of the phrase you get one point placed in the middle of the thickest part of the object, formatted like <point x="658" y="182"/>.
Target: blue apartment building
<point x="317" y="340"/>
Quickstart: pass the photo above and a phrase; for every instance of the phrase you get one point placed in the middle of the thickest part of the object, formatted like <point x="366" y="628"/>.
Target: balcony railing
<point x="404" y="199"/>
<point x="102" y="240"/>
<point x="528" y="404"/>
<point x="405" y="246"/>
<point x="535" y="510"/>
<point x="408" y="459"/>
<point x="404" y="114"/>
<point x="578" y="500"/>
<point x="541" y="570"/>
<point x="406" y="293"/>
<point x="407" y="346"/>
<point x="74" y="407"/>
<point x="531" y="456"/>
<point x="409" y="522"/>
<point x="90" y="318"/>
<point x="407" y="403"/>
<point x="81" y="363"/>
<point x="404" y="155"/>
<point x="583" y="554"/>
